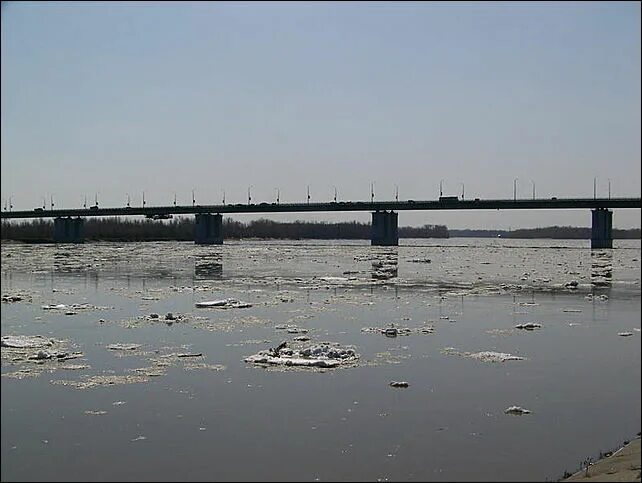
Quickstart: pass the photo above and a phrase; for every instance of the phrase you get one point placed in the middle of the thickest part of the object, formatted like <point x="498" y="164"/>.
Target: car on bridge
<point x="39" y="209"/>
<point x="448" y="198"/>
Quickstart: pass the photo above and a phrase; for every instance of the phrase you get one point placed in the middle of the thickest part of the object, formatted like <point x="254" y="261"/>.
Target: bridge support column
<point x="601" y="229"/>
<point x="68" y="230"/>
<point x="385" y="229"/>
<point x="208" y="229"/>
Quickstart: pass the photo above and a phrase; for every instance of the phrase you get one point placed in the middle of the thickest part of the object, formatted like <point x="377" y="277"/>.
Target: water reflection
<point x="208" y="267"/>
<point x="385" y="264"/>
<point x="601" y="268"/>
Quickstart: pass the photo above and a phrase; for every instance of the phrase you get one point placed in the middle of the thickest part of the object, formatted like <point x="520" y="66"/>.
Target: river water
<point x="182" y="404"/>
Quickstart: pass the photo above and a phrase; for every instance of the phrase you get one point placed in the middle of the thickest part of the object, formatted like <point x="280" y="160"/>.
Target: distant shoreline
<point x="182" y="229"/>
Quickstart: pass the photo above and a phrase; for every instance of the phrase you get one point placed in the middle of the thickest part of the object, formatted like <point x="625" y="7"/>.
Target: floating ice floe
<point x="228" y="303"/>
<point x="25" y="341"/>
<point x="529" y="326"/>
<point x="7" y="298"/>
<point x="625" y="334"/>
<point x="123" y="347"/>
<point x="516" y="410"/>
<point x="399" y="384"/>
<point x="484" y="356"/>
<point x="393" y="331"/>
<point x="73" y="307"/>
<point x="324" y="354"/>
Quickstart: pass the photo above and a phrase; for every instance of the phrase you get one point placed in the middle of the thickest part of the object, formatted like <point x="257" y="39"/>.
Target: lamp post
<point x="515" y="189"/>
<point x="193" y="199"/>
<point x="308" y="194"/>
<point x="595" y="187"/>
<point x="249" y="195"/>
<point x="335" y="194"/>
<point x="609" y="188"/>
<point x="372" y="192"/>
<point x="441" y="184"/>
<point x="223" y="197"/>
<point x="396" y="193"/>
<point x="462" y="191"/>
<point x="533" y="183"/>
<point x="278" y="195"/>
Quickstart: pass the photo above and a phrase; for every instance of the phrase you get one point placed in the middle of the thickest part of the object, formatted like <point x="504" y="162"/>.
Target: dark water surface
<point x="216" y="417"/>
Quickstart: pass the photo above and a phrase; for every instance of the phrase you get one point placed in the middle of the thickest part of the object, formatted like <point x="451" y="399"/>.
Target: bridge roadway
<point x="477" y="204"/>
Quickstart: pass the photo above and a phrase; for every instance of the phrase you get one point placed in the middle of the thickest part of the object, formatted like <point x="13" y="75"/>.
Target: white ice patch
<point x="517" y="410"/>
<point x="228" y="303"/>
<point x="318" y="355"/>
<point x="25" y="341"/>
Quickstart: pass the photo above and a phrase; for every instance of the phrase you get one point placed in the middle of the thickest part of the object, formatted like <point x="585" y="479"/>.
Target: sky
<point x="112" y="99"/>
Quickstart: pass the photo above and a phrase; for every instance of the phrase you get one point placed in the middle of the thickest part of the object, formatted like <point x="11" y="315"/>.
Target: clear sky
<point x="115" y="98"/>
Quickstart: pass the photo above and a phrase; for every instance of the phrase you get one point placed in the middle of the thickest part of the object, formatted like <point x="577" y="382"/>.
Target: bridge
<point x="68" y="223"/>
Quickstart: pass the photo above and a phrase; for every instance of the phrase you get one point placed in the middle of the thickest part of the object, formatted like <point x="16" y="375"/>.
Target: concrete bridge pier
<point x="601" y="229"/>
<point x="68" y="230"/>
<point x="208" y="229"/>
<point x="385" y="229"/>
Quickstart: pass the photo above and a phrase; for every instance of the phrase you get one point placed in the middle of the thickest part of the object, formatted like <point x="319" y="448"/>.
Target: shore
<point x="622" y="465"/>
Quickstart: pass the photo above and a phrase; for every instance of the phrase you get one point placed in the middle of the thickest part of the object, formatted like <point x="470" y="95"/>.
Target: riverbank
<point x="622" y="465"/>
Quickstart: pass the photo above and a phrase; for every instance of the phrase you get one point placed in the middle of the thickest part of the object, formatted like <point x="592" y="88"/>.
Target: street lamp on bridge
<point x="533" y="183"/>
<point x="515" y="189"/>
<point x="335" y="194"/>
<point x="441" y="184"/>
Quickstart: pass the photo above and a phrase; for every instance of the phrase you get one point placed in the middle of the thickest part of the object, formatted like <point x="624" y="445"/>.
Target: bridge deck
<point x="530" y="204"/>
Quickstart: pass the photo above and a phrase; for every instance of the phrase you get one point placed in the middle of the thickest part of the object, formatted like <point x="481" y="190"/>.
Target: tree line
<point x="182" y="229"/>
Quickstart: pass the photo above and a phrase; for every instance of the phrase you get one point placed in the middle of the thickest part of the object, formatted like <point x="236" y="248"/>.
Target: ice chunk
<point x="529" y="326"/>
<point x="224" y="304"/>
<point x="517" y="410"/>
<point x="399" y="384"/>
<point x="25" y="341"/>
<point x="123" y="347"/>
